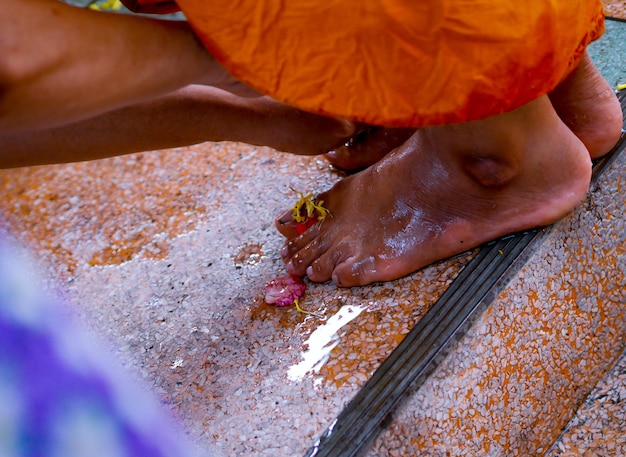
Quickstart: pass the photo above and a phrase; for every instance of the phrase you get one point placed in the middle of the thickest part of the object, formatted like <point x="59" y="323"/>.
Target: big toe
<point x="344" y="159"/>
<point x="286" y="225"/>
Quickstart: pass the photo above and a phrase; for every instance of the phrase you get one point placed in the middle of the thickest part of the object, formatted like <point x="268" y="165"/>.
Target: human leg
<point x="583" y="92"/>
<point x="587" y="105"/>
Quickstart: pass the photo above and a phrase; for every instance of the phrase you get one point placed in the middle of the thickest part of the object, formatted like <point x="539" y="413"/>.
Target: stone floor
<point x="164" y="257"/>
<point x="615" y="8"/>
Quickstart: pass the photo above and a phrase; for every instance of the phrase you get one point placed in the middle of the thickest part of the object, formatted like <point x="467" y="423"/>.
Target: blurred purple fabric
<point x="60" y="395"/>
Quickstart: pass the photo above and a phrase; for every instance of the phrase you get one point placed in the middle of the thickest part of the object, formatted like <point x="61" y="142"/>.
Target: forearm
<point x="62" y="64"/>
<point x="192" y="115"/>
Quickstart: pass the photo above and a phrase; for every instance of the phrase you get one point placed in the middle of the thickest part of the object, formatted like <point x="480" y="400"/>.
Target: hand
<point x="289" y="129"/>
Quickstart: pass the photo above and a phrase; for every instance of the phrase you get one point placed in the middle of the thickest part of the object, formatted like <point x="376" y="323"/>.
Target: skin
<point x="367" y="148"/>
<point x="64" y="99"/>
<point x="51" y="78"/>
<point x="191" y="115"/>
<point x="450" y="188"/>
<point x="575" y="99"/>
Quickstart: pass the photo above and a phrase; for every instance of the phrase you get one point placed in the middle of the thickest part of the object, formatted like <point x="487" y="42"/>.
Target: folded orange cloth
<point x="399" y="62"/>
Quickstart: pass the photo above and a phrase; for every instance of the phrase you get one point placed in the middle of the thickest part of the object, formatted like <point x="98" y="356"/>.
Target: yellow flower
<point x="307" y="208"/>
<point x="107" y="5"/>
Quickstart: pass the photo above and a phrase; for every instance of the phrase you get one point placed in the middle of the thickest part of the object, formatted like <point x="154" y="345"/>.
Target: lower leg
<point x="584" y="101"/>
<point x="588" y="106"/>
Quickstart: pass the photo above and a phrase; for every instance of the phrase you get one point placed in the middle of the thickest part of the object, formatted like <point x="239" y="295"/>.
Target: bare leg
<point x="583" y="92"/>
<point x="588" y="106"/>
<point x="446" y="190"/>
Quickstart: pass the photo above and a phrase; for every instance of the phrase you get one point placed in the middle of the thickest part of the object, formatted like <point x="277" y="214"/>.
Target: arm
<point x="80" y="85"/>
<point x="188" y="116"/>
<point x="60" y="64"/>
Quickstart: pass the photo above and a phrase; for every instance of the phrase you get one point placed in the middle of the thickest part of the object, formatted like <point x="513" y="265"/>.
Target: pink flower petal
<point x="284" y="291"/>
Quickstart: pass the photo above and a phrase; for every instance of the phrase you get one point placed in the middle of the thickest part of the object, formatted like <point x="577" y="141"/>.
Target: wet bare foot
<point x="368" y="147"/>
<point x="446" y="190"/>
<point x="589" y="107"/>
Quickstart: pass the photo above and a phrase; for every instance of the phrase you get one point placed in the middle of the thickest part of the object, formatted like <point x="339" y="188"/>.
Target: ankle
<point x="529" y="147"/>
<point x="490" y="160"/>
<point x="490" y="172"/>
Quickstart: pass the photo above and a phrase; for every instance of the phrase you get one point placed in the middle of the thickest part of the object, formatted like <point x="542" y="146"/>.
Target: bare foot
<point x="589" y="107"/>
<point x="368" y="147"/>
<point x="446" y="190"/>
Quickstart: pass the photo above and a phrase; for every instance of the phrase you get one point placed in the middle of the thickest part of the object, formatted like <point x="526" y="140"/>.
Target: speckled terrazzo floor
<point x="615" y="8"/>
<point x="598" y="428"/>
<point x="159" y="257"/>
<point x="512" y="383"/>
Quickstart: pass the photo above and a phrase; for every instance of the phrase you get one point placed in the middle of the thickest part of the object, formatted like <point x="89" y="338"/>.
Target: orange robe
<point x="398" y="62"/>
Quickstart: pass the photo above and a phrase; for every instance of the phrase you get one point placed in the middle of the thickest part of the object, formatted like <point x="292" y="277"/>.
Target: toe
<point x="303" y="250"/>
<point x="308" y="240"/>
<point x="286" y="225"/>
<point x="355" y="271"/>
<point x="298" y="264"/>
<point x="321" y="269"/>
<point x="343" y="159"/>
<point x="367" y="148"/>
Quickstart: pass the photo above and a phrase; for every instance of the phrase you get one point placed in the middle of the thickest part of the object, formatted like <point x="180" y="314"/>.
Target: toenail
<point x="284" y="251"/>
<point x="309" y="271"/>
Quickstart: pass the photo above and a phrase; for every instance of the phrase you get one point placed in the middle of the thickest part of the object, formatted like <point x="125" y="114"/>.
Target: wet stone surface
<point x="165" y="257"/>
<point x="523" y="369"/>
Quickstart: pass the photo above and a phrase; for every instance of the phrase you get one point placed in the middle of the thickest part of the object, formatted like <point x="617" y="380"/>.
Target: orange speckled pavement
<point x="164" y="256"/>
<point x="615" y="8"/>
